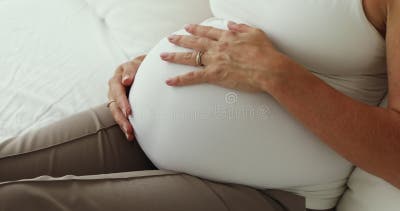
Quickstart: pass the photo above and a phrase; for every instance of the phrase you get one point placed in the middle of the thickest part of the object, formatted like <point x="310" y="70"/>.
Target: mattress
<point x="56" y="56"/>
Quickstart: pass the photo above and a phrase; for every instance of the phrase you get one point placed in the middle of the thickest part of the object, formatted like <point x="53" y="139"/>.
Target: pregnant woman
<point x="297" y="84"/>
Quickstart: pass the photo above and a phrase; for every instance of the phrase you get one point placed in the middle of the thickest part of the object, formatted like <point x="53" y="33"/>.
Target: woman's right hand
<point x="123" y="78"/>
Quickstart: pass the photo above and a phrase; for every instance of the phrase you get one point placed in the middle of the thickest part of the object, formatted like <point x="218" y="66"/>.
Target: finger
<point x="191" y="78"/>
<point x="123" y="101"/>
<point x="188" y="58"/>
<point x="118" y="93"/>
<point x="239" y="27"/>
<point x="130" y="69"/>
<point x="191" y="42"/>
<point x="204" y="31"/>
<point x="122" y="121"/>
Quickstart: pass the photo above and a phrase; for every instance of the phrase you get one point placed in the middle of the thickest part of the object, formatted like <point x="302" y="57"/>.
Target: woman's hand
<point x="241" y="58"/>
<point x="123" y="78"/>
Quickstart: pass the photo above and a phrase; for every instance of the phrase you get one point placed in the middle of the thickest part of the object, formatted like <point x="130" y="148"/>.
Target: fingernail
<point x="172" y="37"/>
<point x="188" y="27"/>
<point x="125" y="114"/>
<point x="164" y="55"/>
<point x="170" y="81"/>
<point x="125" y="78"/>
<point x="232" y="24"/>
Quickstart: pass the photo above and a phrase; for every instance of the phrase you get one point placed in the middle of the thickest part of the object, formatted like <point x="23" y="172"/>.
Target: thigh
<point x="141" y="190"/>
<point x="87" y="143"/>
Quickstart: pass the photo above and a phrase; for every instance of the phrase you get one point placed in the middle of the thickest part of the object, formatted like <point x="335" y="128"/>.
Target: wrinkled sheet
<point x="56" y="56"/>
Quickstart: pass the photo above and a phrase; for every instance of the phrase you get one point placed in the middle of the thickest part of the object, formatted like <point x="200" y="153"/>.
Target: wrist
<point x="277" y="73"/>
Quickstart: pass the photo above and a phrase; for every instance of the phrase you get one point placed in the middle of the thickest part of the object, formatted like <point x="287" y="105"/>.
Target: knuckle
<point x="189" y="56"/>
<point x="179" y="39"/>
<point x="228" y="34"/>
<point x="211" y="76"/>
<point x="121" y="96"/>
<point x="207" y="30"/>
<point x="217" y="73"/>
<point x="173" y="56"/>
<point x="192" y="41"/>
<point x="128" y="71"/>
<point x="203" y="42"/>
<point x="179" y="80"/>
<point x="190" y="75"/>
<point x="125" y="72"/>
<point x="220" y="57"/>
<point x="222" y="46"/>
<point x="220" y="72"/>
<point x="204" y="29"/>
<point x="242" y="25"/>
<point x="195" y="28"/>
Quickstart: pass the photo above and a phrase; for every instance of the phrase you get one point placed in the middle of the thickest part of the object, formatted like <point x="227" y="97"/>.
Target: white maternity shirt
<point x="238" y="137"/>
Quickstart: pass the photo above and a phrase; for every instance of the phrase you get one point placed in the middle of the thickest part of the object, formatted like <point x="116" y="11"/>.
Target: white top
<point x="231" y="136"/>
<point x="369" y="193"/>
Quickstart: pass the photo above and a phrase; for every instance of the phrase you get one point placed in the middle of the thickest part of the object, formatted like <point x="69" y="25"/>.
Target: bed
<point x="56" y="56"/>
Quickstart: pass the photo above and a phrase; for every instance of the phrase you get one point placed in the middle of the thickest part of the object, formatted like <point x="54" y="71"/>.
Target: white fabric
<point x="250" y="139"/>
<point x="369" y="193"/>
<point x="137" y="25"/>
<point x="56" y="56"/>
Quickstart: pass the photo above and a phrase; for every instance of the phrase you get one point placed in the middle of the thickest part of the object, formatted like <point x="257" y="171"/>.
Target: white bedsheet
<point x="56" y="56"/>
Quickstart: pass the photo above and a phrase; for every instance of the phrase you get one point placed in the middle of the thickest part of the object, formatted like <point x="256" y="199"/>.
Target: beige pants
<point x="110" y="174"/>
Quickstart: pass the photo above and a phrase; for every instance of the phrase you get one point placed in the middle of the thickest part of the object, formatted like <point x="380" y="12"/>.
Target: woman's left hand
<point x="241" y="58"/>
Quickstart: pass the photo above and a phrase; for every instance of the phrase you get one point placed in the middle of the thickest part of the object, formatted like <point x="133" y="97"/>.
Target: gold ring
<point x="110" y="102"/>
<point x="198" y="58"/>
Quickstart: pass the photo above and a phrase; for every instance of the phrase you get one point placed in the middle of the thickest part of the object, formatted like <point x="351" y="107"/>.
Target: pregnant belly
<point x="222" y="134"/>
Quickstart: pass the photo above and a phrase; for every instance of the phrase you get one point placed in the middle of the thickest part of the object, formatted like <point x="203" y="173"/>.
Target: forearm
<point x="367" y="136"/>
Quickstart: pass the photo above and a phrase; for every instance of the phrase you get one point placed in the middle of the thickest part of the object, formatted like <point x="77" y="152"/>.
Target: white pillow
<point x="369" y="193"/>
<point x="137" y="25"/>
